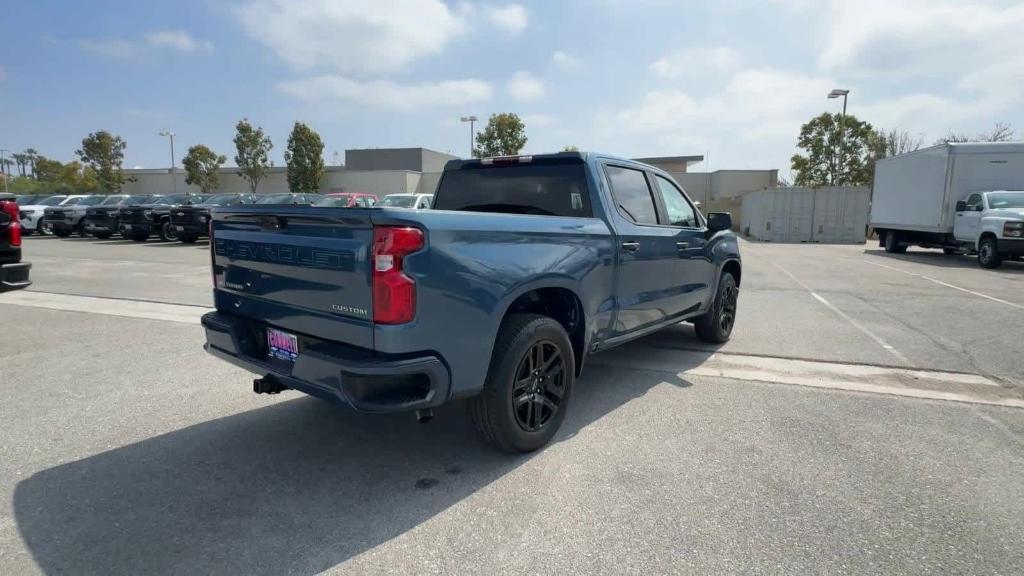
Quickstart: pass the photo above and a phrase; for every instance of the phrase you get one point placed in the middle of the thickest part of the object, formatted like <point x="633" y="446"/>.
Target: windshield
<point x="170" y="199"/>
<point x="557" y="189"/>
<point x="399" y="201"/>
<point x="1006" y="200"/>
<point x="139" y="200"/>
<point x="221" y="199"/>
<point x="71" y="201"/>
<point x="333" y="201"/>
<point x="24" y="200"/>
<point x="51" y="201"/>
<point x="275" y="199"/>
<point x="112" y="200"/>
<point x="91" y="200"/>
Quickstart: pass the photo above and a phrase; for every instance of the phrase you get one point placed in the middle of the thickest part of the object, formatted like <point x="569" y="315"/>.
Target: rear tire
<point x="715" y="325"/>
<point x="892" y="243"/>
<point x="988" y="254"/>
<point x="528" y="385"/>
<point x="80" y="229"/>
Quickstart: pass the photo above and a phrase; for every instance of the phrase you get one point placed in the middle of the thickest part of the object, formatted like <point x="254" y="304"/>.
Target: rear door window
<point x="631" y="194"/>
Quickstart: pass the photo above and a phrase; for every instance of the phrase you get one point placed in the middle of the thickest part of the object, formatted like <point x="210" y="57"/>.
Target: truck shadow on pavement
<point x="937" y="258"/>
<point x="296" y="487"/>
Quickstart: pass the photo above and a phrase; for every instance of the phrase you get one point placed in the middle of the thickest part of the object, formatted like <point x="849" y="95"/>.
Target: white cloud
<point x="352" y="36"/>
<point x="177" y="40"/>
<point x="511" y="18"/>
<point x="113" y="48"/>
<point x="696" y="62"/>
<point x="564" y="60"/>
<point x="525" y="87"/>
<point x="386" y="94"/>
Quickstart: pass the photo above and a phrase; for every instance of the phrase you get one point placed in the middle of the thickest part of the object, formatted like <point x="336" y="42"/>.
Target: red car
<point x="347" y="200"/>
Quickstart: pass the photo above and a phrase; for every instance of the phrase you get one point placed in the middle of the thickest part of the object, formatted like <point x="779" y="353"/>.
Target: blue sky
<point x="733" y="78"/>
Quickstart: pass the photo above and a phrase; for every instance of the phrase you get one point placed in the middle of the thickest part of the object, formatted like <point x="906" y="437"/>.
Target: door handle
<point x="630" y="246"/>
<point x="682" y="245"/>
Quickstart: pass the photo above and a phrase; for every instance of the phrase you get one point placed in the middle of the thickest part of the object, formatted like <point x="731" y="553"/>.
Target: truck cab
<point x="992" y="224"/>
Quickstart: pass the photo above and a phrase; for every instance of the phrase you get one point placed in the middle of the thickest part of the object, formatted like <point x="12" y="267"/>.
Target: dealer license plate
<point x="282" y="345"/>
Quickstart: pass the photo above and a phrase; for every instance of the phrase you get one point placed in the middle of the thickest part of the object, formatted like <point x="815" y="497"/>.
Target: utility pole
<point x="472" y="133"/>
<point x="842" y="117"/>
<point x="174" y="180"/>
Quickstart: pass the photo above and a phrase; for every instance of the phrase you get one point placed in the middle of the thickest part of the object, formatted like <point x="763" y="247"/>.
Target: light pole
<point x="836" y="93"/>
<point x="471" y="120"/>
<point x="174" y="180"/>
<point x="3" y="167"/>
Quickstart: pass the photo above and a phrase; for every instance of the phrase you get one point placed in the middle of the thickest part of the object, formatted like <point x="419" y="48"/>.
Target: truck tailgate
<point x="305" y="271"/>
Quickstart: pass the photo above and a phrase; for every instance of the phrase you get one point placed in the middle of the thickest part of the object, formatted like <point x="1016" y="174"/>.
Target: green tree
<point x="71" y="178"/>
<point x="5" y="167"/>
<point x="252" y="150"/>
<point x="202" y="167"/>
<point x="505" y="135"/>
<point x="22" y="161"/>
<point x="32" y="155"/>
<point x="839" y="151"/>
<point x="1000" y="133"/>
<point x="104" y="153"/>
<point x="304" y="157"/>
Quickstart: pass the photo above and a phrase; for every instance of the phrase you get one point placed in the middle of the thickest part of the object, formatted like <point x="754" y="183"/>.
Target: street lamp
<point x="836" y="93"/>
<point x="3" y="167"/>
<point x="471" y="120"/>
<point x="174" y="181"/>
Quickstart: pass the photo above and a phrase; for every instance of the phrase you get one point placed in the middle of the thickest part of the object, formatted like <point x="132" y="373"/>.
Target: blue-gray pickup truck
<point x="525" y="266"/>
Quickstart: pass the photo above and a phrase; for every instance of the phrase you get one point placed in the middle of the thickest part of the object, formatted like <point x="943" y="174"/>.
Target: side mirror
<point x="961" y="206"/>
<point x="719" y="221"/>
<point x="979" y="208"/>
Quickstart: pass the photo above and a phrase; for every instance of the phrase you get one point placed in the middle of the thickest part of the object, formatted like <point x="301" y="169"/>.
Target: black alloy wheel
<point x="539" y="386"/>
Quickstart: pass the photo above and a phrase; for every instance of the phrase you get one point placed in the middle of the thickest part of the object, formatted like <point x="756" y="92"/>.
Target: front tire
<point x="892" y="243"/>
<point x="528" y="385"/>
<point x="715" y="325"/>
<point x="988" y="253"/>
<point x="167" y="232"/>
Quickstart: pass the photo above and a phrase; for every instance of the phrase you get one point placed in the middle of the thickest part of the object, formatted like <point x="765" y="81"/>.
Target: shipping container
<point x="834" y="215"/>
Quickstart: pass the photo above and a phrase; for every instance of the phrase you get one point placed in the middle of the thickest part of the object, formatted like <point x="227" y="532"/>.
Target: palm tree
<point x="32" y="155"/>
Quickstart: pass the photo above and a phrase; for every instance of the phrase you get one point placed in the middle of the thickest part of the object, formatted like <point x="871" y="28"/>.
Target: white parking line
<point x="107" y="306"/>
<point x="947" y="285"/>
<point x="896" y="353"/>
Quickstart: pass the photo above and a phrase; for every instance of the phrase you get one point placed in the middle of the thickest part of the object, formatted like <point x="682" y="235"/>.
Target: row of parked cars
<point x="171" y="217"/>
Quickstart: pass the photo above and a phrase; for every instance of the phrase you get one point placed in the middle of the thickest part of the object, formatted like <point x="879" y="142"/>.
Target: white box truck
<point x="960" y="197"/>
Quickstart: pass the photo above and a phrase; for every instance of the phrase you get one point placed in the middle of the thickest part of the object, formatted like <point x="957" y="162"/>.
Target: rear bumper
<point x="1011" y="246"/>
<point x="366" y="381"/>
<point x="14" y="276"/>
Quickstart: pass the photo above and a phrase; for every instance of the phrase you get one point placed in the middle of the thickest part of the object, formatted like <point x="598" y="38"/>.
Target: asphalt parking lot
<point x="820" y="439"/>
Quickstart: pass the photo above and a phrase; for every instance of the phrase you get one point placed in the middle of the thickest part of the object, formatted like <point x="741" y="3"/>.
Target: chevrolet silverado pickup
<point x="191" y="222"/>
<point x="13" y="272"/>
<point x="138" y="222"/>
<point x="525" y="266"/>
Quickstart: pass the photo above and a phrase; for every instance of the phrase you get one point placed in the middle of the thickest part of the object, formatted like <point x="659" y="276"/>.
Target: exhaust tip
<point x="424" y="416"/>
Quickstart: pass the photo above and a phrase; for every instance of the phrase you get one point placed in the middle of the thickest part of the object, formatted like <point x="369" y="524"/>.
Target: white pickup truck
<point x="991" y="223"/>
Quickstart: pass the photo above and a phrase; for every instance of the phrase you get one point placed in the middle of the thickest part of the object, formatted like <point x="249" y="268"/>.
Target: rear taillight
<point x="14" y="229"/>
<point x="394" y="293"/>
